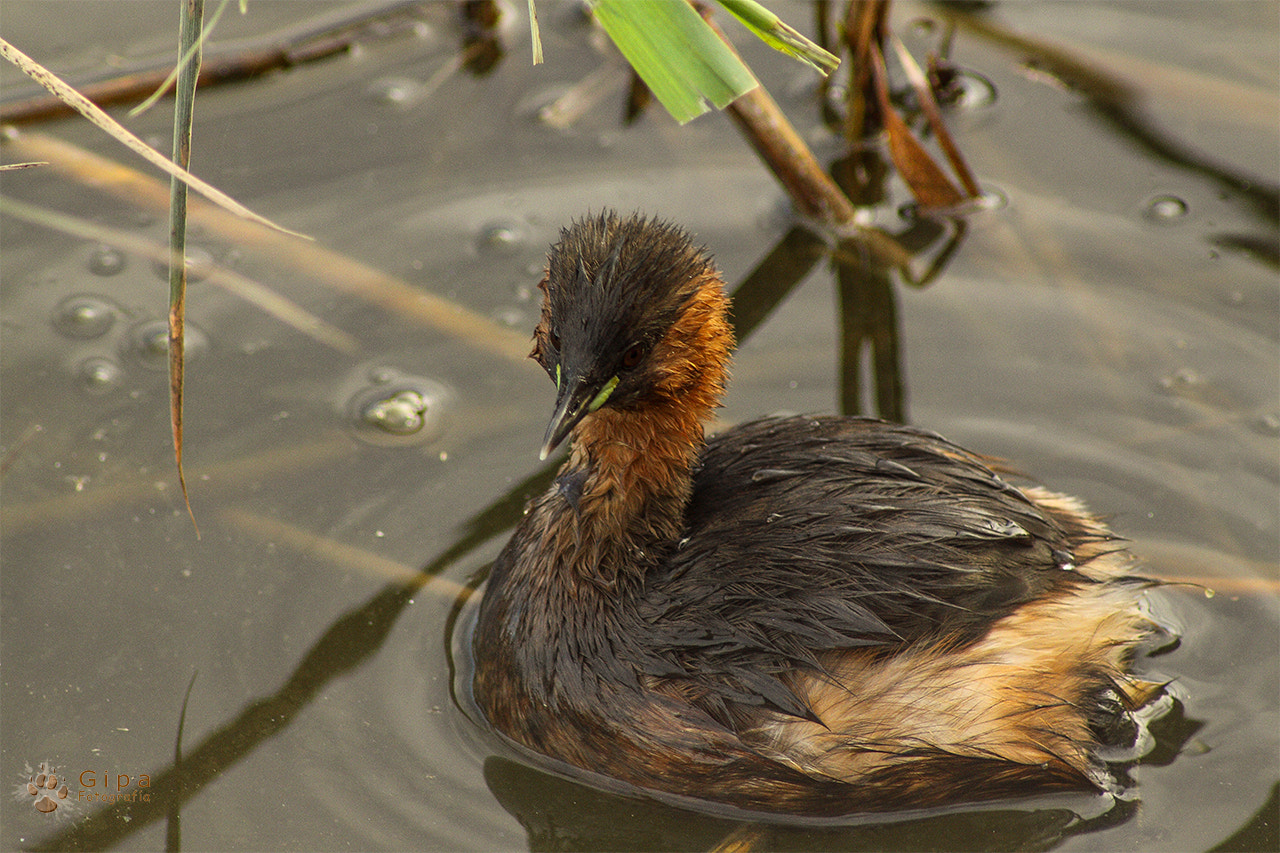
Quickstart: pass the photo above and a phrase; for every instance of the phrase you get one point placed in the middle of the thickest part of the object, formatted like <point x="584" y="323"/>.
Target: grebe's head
<point x="633" y="314"/>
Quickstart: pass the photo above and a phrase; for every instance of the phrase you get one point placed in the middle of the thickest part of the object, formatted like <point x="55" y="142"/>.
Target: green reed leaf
<point x="678" y="55"/>
<point x="775" y="32"/>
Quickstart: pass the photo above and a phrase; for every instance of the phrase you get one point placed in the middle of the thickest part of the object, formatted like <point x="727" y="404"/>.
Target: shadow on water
<point x="1260" y="833"/>
<point x="560" y="814"/>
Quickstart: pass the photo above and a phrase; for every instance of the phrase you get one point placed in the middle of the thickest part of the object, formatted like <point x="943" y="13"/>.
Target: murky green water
<point x="1111" y="328"/>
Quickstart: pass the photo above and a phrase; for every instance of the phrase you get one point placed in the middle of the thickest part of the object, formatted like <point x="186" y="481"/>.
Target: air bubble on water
<point x="199" y="264"/>
<point x="402" y="414"/>
<point x="151" y="343"/>
<point x="500" y="238"/>
<point x="391" y="408"/>
<point x="1165" y="208"/>
<point x="84" y="316"/>
<point x="1267" y="423"/>
<point x="397" y="91"/>
<point x="1183" y="377"/>
<point x="99" y="375"/>
<point x="975" y="91"/>
<point x="381" y="375"/>
<point x="106" y="261"/>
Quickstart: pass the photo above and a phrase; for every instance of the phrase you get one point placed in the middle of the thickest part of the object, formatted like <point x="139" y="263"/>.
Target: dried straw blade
<point x="89" y="110"/>
<point x="189" y="41"/>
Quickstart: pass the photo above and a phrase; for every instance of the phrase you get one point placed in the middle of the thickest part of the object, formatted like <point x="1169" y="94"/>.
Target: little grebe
<point x="803" y="614"/>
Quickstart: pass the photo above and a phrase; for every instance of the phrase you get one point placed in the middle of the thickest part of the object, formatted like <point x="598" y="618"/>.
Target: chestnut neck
<point x="633" y="466"/>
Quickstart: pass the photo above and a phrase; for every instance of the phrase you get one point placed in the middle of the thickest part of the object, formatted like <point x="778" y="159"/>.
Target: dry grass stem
<point x="91" y="111"/>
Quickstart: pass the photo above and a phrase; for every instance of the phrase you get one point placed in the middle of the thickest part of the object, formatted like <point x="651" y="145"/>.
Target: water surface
<point x="1111" y="327"/>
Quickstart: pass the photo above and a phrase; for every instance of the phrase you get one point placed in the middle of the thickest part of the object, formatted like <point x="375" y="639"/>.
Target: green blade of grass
<point x="680" y="58"/>
<point x="775" y="32"/>
<point x="183" y="60"/>
<point x="183" y="115"/>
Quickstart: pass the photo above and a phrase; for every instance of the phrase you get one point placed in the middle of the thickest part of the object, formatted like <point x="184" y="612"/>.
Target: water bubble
<point x="395" y="409"/>
<point x="199" y="264"/>
<point x="99" y="375"/>
<point x="972" y="91"/>
<point x="1182" y="378"/>
<point x="84" y="316"/>
<point x="106" y="260"/>
<point x="382" y="375"/>
<point x="1165" y="208"/>
<point x="501" y="238"/>
<point x="400" y="91"/>
<point x="150" y="342"/>
<point x="402" y="414"/>
<point x="1267" y="423"/>
<point x="994" y="198"/>
<point x="154" y="341"/>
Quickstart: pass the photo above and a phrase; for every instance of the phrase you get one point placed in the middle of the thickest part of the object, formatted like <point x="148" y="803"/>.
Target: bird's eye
<point x="555" y="341"/>
<point x="632" y="357"/>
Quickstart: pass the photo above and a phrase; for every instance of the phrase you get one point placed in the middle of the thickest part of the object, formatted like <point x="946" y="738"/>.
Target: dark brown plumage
<point x="809" y="614"/>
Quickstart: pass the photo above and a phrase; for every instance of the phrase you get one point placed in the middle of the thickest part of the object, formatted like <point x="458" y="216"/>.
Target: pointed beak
<point x="577" y="398"/>
<point x="570" y="409"/>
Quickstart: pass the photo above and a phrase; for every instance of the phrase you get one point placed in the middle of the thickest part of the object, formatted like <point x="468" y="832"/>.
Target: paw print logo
<point x="45" y="790"/>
